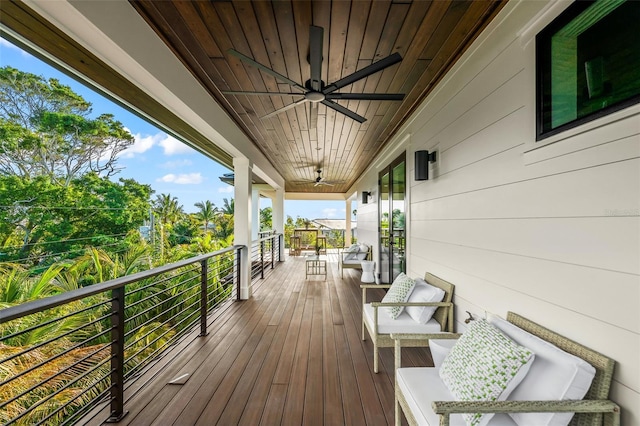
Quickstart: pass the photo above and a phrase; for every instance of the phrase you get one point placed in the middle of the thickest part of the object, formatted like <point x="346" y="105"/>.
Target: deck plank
<point x="290" y="355"/>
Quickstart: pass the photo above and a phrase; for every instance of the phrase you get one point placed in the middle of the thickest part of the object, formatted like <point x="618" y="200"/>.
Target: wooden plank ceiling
<point x="430" y="36"/>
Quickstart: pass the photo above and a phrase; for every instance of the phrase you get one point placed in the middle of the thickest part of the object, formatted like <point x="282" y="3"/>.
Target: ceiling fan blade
<point x="234" y="92"/>
<point x="258" y="65"/>
<point x="364" y="72"/>
<point x="345" y="111"/>
<point x="316" y="37"/>
<point x="313" y="116"/>
<point x="367" y="96"/>
<point x="284" y="108"/>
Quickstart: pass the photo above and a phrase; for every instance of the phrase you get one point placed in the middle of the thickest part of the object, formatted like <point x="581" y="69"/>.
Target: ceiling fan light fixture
<point x="314" y="96"/>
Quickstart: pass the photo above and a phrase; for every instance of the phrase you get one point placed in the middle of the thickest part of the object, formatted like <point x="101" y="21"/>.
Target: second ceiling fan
<point x="315" y="91"/>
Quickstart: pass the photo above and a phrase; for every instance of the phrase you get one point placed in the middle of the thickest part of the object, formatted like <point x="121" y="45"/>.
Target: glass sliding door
<point x="391" y="229"/>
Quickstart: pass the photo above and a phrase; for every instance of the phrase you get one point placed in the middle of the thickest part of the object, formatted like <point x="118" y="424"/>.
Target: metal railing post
<point x="238" y="268"/>
<point x="117" y="355"/>
<point x="280" y="244"/>
<point x="203" y="298"/>
<point x="262" y="260"/>
<point x="273" y="246"/>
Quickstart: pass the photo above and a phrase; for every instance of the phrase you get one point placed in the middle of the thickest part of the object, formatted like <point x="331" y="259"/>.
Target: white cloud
<point x="176" y="164"/>
<point x="141" y="144"/>
<point x="169" y="145"/>
<point x="173" y="146"/>
<point x="227" y="189"/>
<point x="329" y="213"/>
<point x="182" y="179"/>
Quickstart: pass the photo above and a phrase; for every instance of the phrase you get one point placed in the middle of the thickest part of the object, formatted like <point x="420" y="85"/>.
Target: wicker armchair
<point x="595" y="409"/>
<point x="382" y="338"/>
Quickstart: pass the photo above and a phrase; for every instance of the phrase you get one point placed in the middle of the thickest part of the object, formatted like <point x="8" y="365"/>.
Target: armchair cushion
<point x="353" y="248"/>
<point x="398" y="293"/>
<point x="421" y="386"/>
<point x="555" y="375"/>
<point x="362" y="255"/>
<point x="439" y="350"/>
<point x="402" y="324"/>
<point x="484" y="365"/>
<point x="424" y="292"/>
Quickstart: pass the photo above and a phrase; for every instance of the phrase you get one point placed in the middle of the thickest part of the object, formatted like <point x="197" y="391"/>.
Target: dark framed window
<point x="588" y="64"/>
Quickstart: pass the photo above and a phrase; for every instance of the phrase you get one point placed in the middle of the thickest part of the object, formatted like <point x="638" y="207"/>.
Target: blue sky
<point x="160" y="160"/>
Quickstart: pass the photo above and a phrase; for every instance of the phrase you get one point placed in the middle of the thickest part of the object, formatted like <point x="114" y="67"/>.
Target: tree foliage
<point x="206" y="214"/>
<point x="40" y="219"/>
<point x="266" y="219"/>
<point x="46" y="130"/>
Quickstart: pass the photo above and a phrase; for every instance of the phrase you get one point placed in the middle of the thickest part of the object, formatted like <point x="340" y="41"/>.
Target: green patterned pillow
<point x="484" y="365"/>
<point x="399" y="292"/>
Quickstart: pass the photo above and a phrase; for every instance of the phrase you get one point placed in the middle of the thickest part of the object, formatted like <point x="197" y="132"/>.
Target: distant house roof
<point x="339" y="224"/>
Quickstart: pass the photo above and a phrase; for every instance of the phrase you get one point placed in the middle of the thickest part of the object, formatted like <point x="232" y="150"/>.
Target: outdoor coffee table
<point x="316" y="265"/>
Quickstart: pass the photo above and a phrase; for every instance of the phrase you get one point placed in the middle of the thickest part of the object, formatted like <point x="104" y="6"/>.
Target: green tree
<point x="206" y="214"/>
<point x="224" y="220"/>
<point x="167" y="211"/>
<point x="43" y="221"/>
<point x="266" y="221"/>
<point x="46" y="130"/>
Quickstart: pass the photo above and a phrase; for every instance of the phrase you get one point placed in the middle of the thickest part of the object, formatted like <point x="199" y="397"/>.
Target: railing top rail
<point x="270" y="237"/>
<point x="32" y="307"/>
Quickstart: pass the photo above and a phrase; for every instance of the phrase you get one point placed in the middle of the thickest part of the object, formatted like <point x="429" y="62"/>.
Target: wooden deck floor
<point x="291" y="355"/>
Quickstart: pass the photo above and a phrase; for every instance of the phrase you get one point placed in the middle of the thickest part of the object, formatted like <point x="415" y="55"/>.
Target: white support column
<point x="347" y="235"/>
<point x="277" y="216"/>
<point x="255" y="213"/>
<point x="242" y="220"/>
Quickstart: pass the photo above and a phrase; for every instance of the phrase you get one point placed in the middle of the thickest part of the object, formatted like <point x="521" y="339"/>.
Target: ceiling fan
<point x="314" y="90"/>
<point x="320" y="179"/>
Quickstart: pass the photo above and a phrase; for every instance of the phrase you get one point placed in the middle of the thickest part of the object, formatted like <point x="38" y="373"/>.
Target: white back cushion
<point x="439" y="349"/>
<point x="554" y="375"/>
<point x="424" y="292"/>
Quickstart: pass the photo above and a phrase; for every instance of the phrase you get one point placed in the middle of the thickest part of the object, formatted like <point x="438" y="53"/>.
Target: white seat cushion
<point x="403" y="324"/>
<point x="421" y="386"/>
<point x="352" y="262"/>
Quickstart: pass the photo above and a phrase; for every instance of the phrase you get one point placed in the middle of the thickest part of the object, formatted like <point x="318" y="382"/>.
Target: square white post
<point x="242" y="225"/>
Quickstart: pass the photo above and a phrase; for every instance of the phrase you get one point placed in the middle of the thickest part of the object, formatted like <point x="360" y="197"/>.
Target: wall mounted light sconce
<point x="422" y="160"/>
<point x="365" y="197"/>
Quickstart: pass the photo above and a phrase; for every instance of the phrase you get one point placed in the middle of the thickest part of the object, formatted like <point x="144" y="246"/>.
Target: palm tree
<point x="228" y="206"/>
<point x="168" y="212"/>
<point x="225" y="219"/>
<point x="207" y="213"/>
<point x="167" y="208"/>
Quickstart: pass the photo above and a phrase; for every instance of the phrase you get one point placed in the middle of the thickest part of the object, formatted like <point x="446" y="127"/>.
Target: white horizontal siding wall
<point x="548" y="230"/>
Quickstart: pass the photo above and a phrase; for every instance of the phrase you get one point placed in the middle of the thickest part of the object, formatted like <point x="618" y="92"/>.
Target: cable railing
<point x="63" y="355"/>
<point x="264" y="253"/>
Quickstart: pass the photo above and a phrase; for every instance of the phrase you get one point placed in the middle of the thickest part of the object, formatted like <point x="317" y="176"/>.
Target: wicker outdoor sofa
<point x="352" y="257"/>
<point x="425" y="400"/>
